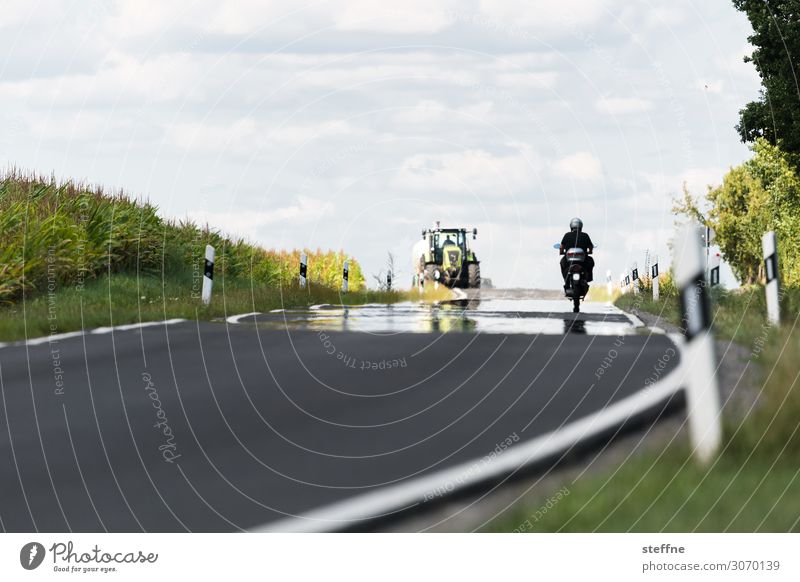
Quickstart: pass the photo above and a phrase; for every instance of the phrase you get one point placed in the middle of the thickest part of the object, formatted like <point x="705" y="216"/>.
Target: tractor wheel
<point x="474" y="275"/>
<point x="429" y="273"/>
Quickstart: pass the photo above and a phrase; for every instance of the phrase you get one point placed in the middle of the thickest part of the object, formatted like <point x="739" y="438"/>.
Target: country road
<point x="264" y="421"/>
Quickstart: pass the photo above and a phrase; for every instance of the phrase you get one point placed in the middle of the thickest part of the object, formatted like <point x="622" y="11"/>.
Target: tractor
<point x="443" y="256"/>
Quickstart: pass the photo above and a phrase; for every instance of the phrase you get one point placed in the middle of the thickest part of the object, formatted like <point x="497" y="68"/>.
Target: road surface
<point x="265" y="421"/>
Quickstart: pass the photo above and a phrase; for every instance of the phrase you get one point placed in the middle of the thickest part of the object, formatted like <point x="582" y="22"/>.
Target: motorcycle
<point x="576" y="286"/>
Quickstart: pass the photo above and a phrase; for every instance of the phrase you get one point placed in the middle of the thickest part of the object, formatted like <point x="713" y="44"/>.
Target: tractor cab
<point x="449" y="247"/>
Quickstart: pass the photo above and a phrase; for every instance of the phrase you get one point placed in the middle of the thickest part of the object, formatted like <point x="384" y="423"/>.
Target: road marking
<point x="635" y="321"/>
<point x="385" y="501"/>
<point x="51" y="338"/>
<point x="237" y="318"/>
<point x="37" y="341"/>
<point x="130" y="326"/>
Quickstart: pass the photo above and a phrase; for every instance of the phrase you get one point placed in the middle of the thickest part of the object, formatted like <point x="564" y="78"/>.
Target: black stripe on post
<point x="303" y="269"/>
<point x="345" y="274"/>
<point x="208" y="270"/>
<point x="635" y="274"/>
<point x="655" y="270"/>
<point x="389" y="282"/>
<point x="771" y="267"/>
<point x="627" y="279"/>
<point x="714" y="276"/>
<point x="694" y="307"/>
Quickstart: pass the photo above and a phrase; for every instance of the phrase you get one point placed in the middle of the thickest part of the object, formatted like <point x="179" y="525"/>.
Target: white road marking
<point x="236" y="318"/>
<point x="52" y="338"/>
<point x="130" y="326"/>
<point x="37" y="341"/>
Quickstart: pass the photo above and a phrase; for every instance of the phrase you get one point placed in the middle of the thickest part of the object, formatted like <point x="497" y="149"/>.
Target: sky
<point x="354" y="124"/>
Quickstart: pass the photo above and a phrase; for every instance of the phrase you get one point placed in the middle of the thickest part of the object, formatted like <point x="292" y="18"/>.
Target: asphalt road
<point x="222" y="427"/>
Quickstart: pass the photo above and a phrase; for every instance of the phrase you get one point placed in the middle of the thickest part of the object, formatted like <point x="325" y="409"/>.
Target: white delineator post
<point x="388" y="281"/>
<point x="608" y="284"/>
<point x="303" y="269"/>
<point x="208" y="274"/>
<point x="635" y="277"/>
<point x="654" y="274"/>
<point x="698" y="357"/>
<point x="713" y="270"/>
<point x="345" y="276"/>
<point x="769" y="244"/>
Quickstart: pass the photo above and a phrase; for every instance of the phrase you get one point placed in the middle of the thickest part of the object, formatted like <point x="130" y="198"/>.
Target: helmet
<point x="576" y="224"/>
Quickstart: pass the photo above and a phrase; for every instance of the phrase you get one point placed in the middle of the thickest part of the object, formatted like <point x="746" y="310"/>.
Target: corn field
<point x="55" y="234"/>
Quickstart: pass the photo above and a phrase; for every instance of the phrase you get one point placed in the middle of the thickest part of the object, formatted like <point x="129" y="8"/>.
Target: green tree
<point x="775" y="116"/>
<point x="760" y="195"/>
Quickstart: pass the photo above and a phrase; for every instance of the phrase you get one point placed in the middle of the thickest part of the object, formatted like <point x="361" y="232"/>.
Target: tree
<point x="383" y="279"/>
<point x="775" y="116"/>
<point x="760" y="195"/>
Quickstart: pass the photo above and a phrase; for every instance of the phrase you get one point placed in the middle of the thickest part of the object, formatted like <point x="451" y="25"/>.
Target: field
<point x="74" y="257"/>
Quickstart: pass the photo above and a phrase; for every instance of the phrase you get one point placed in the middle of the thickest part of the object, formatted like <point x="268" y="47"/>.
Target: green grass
<point x="738" y="315"/>
<point x="753" y="484"/>
<point x="124" y="298"/>
<point x="669" y="492"/>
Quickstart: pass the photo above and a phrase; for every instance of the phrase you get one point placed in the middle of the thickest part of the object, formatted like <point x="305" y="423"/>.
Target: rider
<point x="576" y="238"/>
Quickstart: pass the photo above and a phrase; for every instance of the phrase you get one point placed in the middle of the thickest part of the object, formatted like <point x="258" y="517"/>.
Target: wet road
<point x="227" y="426"/>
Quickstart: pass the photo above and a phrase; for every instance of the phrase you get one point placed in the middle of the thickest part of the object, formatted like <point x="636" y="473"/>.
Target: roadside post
<point x="345" y="275"/>
<point x="389" y="281"/>
<point x="608" y="284"/>
<point x="713" y="270"/>
<point x="627" y="282"/>
<point x="303" y="269"/>
<point x="769" y="245"/>
<point x="699" y="358"/>
<point x="654" y="275"/>
<point x="635" y="276"/>
<point x="208" y="275"/>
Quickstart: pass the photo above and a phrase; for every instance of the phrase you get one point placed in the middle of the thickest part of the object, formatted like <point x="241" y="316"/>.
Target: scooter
<point x="575" y="285"/>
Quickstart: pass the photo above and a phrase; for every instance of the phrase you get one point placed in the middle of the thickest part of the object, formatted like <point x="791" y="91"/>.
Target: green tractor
<point x="443" y="255"/>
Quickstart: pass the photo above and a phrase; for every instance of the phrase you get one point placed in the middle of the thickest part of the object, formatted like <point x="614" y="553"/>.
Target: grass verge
<point x="124" y="298"/>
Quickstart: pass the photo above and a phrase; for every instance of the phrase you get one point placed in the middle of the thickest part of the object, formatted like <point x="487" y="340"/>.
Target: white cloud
<point x="248" y="223"/>
<point x="623" y="105"/>
<point x="579" y="166"/>
<point x="408" y="16"/>
<point x="248" y="137"/>
<point x="697" y="180"/>
<point x="470" y="172"/>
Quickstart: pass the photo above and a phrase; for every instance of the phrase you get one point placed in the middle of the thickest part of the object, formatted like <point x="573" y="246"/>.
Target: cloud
<point x="545" y="15"/>
<point x="468" y="172"/>
<point x="696" y="180"/>
<point x="248" y="223"/>
<point x="409" y="16"/>
<point x="579" y="166"/>
<point x="623" y="105"/>
<point x="248" y="136"/>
